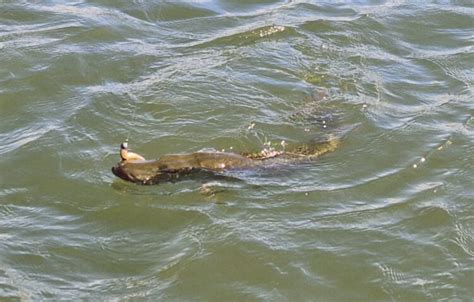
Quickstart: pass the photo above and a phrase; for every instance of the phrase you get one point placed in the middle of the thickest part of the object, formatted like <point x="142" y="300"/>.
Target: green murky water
<point x="388" y="216"/>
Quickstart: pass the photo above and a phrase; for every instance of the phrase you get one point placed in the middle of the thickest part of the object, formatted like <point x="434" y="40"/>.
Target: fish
<point x="174" y="167"/>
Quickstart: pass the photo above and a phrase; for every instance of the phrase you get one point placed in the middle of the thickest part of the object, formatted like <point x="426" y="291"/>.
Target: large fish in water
<point x="169" y="168"/>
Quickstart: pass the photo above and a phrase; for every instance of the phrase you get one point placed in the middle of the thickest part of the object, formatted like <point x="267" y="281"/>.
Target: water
<point x="387" y="216"/>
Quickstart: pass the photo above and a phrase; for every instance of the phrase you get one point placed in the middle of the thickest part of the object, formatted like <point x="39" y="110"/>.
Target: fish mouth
<point x="121" y="173"/>
<point x="118" y="171"/>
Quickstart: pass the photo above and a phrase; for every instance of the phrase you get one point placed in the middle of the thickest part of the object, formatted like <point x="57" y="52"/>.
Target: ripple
<point x="241" y="37"/>
<point x="94" y="13"/>
<point x="392" y="274"/>
<point x="172" y="12"/>
<point x="20" y="137"/>
<point x="464" y="239"/>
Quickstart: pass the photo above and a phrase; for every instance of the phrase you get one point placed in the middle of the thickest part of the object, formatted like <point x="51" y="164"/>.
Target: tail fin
<point x="316" y="149"/>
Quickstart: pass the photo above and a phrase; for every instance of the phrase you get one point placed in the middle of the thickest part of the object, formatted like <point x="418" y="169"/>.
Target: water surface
<point x="388" y="216"/>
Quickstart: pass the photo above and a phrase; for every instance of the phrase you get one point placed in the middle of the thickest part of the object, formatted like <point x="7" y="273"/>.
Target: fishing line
<point x="134" y="112"/>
